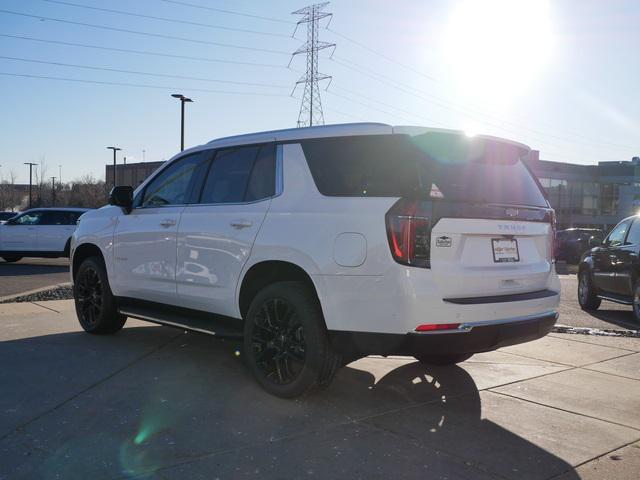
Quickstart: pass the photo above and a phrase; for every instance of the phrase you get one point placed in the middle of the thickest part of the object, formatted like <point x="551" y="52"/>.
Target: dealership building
<point x="596" y="196"/>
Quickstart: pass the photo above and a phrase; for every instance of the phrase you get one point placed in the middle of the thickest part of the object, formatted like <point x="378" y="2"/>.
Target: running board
<point x="192" y="320"/>
<point x="616" y="299"/>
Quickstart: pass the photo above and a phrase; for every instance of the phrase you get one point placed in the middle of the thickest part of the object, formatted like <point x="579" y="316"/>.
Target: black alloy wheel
<point x="89" y="296"/>
<point x="278" y="341"/>
<point x="286" y="343"/>
<point x="95" y="304"/>
<point x="587" y="297"/>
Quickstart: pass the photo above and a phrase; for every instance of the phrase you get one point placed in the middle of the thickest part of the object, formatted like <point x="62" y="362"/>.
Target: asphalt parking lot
<point x="155" y="403"/>
<point x="32" y="273"/>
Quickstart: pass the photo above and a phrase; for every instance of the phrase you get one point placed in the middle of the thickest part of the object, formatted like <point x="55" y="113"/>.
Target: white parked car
<point x="39" y="232"/>
<point x="321" y="245"/>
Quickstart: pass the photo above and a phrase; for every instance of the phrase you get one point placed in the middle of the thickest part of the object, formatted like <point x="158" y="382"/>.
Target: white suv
<point x="39" y="232"/>
<point x="321" y="245"/>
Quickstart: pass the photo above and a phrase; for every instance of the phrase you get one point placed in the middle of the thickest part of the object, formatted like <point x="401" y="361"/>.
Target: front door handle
<point x="241" y="224"/>
<point x="166" y="223"/>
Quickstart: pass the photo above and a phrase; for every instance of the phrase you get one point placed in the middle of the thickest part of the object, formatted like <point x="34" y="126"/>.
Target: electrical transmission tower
<point x="311" y="106"/>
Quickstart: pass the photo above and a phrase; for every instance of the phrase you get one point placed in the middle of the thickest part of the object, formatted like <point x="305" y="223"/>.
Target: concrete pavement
<point x="153" y="402"/>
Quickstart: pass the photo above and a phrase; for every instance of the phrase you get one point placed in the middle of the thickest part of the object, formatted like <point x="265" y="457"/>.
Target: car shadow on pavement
<point x="621" y="318"/>
<point x="159" y="403"/>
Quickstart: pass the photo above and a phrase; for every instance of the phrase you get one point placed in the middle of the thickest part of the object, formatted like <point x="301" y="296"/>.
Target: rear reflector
<point x="437" y="326"/>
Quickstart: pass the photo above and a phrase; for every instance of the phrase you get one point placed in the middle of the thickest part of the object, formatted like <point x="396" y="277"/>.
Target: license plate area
<point x="505" y="250"/>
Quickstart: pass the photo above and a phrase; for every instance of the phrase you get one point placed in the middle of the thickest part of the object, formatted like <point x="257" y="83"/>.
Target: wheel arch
<point x="587" y="264"/>
<point x="81" y="253"/>
<point x="267" y="272"/>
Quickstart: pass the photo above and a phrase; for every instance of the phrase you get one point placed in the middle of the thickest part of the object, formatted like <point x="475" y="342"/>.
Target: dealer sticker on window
<point x="505" y="250"/>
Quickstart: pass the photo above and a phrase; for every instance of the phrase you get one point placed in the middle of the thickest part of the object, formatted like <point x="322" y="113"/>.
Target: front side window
<point x="178" y="184"/>
<point x="29" y="218"/>
<point x="616" y="237"/>
<point x="243" y="174"/>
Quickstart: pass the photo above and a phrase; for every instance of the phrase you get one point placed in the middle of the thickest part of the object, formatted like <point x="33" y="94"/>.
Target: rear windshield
<point x="437" y="165"/>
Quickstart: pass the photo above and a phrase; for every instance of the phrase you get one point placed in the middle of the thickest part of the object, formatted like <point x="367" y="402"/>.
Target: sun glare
<point x="497" y="47"/>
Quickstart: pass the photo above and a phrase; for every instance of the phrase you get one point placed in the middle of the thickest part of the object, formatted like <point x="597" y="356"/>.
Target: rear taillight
<point x="409" y="234"/>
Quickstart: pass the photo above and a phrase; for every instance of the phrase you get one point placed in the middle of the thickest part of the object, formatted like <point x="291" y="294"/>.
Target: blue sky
<point x="560" y="76"/>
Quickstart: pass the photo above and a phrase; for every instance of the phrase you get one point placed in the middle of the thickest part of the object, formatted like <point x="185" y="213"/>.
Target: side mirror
<point x="594" y="242"/>
<point x="121" y="196"/>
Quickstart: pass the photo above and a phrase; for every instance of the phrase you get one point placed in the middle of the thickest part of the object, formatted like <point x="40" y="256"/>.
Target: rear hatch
<point x="477" y="218"/>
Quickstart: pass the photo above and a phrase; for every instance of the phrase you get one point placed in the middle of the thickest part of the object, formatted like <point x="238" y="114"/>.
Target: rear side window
<point x="243" y="174"/>
<point x="55" y="218"/>
<point x="437" y="165"/>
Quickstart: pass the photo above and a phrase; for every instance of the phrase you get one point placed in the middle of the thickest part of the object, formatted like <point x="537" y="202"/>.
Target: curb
<point x="8" y="298"/>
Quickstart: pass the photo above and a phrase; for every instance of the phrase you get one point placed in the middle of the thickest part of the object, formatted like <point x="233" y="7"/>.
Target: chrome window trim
<point x="279" y="186"/>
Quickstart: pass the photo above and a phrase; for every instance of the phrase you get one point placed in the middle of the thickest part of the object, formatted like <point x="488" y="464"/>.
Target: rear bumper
<point x="469" y="338"/>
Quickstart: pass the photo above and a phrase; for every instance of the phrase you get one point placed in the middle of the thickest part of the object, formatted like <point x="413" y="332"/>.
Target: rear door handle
<point x="241" y="224"/>
<point x="167" y="223"/>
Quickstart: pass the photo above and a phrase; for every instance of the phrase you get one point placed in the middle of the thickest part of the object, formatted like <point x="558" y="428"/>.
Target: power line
<point x="430" y="77"/>
<point x="140" y="85"/>
<point x="382" y="55"/>
<point x="418" y="72"/>
<point x="231" y="12"/>
<point x="165" y="19"/>
<point x="142" y="52"/>
<point x="464" y="111"/>
<point x="137" y="72"/>
<point x="387" y="105"/>
<point x="147" y="34"/>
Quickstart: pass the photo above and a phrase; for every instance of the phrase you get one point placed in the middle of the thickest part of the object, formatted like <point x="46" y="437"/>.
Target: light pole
<point x="31" y="165"/>
<point x="183" y="100"/>
<point x="115" y="149"/>
<point x="59" y="173"/>
<point x="53" y="191"/>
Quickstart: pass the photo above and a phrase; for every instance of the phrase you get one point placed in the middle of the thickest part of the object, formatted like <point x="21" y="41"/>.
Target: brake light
<point x="409" y="234"/>
<point x="437" y="326"/>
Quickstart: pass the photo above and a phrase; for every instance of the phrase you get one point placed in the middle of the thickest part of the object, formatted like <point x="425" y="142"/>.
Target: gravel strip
<point x="595" y="331"/>
<point x="64" y="292"/>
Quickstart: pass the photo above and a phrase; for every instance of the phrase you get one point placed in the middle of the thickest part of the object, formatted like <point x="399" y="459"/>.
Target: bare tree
<point x="9" y="195"/>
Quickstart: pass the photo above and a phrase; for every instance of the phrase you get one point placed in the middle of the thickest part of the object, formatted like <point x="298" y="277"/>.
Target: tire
<point x="11" y="258"/>
<point x="286" y="345"/>
<point x="587" y="297"/>
<point x="95" y="304"/>
<point x="443" y="360"/>
<point x="636" y="303"/>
